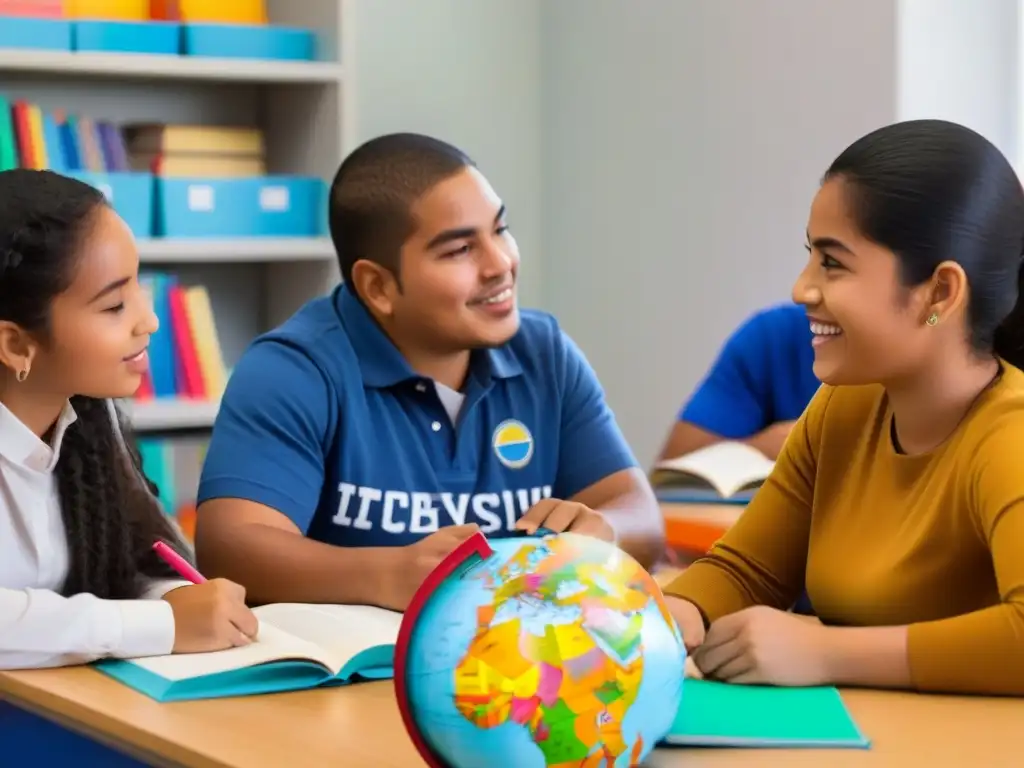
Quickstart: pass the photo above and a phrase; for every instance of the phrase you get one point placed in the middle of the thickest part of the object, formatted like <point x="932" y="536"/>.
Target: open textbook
<point x="723" y="472"/>
<point x="299" y="646"/>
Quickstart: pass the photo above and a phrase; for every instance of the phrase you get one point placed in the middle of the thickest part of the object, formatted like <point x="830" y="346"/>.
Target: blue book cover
<point x="55" y="150"/>
<point x="299" y="647"/>
<point x="162" y="366"/>
<point x="158" y="465"/>
<point x="683" y="495"/>
<point x="71" y="143"/>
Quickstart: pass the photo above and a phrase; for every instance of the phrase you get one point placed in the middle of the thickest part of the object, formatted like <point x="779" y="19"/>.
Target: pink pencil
<point x="178" y="563"/>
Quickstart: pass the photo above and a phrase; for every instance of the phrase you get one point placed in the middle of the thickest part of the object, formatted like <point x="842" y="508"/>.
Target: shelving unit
<point x="123" y="66"/>
<point x="305" y="110"/>
<point x="257" y="249"/>
<point x="167" y="415"/>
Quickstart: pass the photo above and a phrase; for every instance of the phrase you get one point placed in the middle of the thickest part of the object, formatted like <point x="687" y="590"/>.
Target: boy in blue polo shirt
<point x="761" y="382"/>
<point x="361" y="441"/>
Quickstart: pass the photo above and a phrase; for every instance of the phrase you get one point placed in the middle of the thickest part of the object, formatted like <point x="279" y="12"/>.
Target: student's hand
<point x="691" y="670"/>
<point x="764" y="646"/>
<point x="415" y="562"/>
<point x="691" y="623"/>
<point x="211" y="617"/>
<point x="557" y="515"/>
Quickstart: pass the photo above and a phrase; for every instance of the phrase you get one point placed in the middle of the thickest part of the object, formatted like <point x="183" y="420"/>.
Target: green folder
<point x="726" y="715"/>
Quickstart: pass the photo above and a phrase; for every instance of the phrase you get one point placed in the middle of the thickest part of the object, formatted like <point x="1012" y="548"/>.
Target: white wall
<point x="468" y="72"/>
<point x="683" y="144"/>
<point x="957" y="60"/>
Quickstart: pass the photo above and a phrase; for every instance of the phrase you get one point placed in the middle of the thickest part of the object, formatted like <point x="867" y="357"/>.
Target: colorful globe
<point x="557" y="650"/>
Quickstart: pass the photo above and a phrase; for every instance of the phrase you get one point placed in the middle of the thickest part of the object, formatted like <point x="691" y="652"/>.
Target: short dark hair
<point x="374" y="189"/>
<point x="111" y="518"/>
<point x="933" y="191"/>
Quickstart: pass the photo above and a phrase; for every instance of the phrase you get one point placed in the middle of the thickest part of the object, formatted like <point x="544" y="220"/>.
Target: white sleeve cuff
<point x="157" y="589"/>
<point x="147" y="629"/>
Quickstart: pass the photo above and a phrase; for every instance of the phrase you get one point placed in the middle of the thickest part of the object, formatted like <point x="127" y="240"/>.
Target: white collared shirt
<point x="38" y="626"/>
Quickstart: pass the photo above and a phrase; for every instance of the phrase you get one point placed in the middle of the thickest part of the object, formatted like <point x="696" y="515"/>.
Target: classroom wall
<point x="958" y="59"/>
<point x="683" y="145"/>
<point x="468" y="71"/>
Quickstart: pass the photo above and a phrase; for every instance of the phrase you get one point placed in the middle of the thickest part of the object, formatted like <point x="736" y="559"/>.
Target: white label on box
<point x="200" y="197"/>
<point x="274" y="198"/>
<point x="108" y="192"/>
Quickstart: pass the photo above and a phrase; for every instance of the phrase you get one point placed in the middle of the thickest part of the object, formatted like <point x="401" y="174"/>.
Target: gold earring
<point x="22" y="374"/>
<point x="933" y="319"/>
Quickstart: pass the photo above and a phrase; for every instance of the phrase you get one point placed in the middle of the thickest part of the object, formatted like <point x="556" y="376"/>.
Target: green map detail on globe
<point x="558" y="649"/>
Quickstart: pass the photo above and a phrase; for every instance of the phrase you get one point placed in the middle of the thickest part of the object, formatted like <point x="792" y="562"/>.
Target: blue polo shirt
<point x="324" y="421"/>
<point x="763" y="375"/>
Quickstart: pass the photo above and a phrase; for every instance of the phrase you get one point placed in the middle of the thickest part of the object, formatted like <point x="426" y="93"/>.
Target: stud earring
<point x="22" y="374"/>
<point x="933" y="319"/>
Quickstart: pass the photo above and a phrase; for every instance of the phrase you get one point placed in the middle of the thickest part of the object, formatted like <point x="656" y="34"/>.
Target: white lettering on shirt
<point x="421" y="512"/>
<point x="424" y="514"/>
<point x="394" y="499"/>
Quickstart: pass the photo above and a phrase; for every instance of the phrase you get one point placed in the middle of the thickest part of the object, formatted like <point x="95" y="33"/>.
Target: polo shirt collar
<point x="19" y="445"/>
<point x="382" y="364"/>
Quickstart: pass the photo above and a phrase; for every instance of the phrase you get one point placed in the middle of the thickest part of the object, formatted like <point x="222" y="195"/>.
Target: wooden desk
<point x="360" y="726"/>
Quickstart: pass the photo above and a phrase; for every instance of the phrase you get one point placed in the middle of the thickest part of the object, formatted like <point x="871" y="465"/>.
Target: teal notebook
<point x="722" y="715"/>
<point x="299" y="646"/>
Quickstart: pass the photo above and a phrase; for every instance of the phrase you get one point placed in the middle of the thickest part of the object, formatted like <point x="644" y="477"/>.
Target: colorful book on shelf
<point x="716" y="714"/>
<point x="36" y="138"/>
<point x="111" y="10"/>
<point x="204" y="337"/>
<point x="210" y="11"/>
<point x="173" y="464"/>
<point x="196" y="150"/>
<point x="205" y="166"/>
<point x="169" y="139"/>
<point x="162" y="366"/>
<point x="299" y="647"/>
<point x="188" y="373"/>
<point x="8" y="137"/>
<point x="185" y="357"/>
<point x="34" y="9"/>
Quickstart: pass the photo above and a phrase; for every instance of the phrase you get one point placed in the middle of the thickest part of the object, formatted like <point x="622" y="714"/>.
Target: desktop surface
<point x="360" y="726"/>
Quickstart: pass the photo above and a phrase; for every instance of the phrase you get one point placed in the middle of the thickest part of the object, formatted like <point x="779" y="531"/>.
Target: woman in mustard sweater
<point x="898" y="500"/>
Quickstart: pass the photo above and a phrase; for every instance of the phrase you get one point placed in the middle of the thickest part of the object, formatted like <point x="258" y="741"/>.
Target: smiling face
<point x="100" y="326"/>
<point x="458" y="270"/>
<point x="868" y="327"/>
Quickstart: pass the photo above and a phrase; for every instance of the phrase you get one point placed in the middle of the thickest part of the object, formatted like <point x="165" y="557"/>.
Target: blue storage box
<point x="234" y="41"/>
<point x="271" y="206"/>
<point x="127" y="36"/>
<point x="41" y="34"/>
<point x="290" y="206"/>
<point x="129" y="194"/>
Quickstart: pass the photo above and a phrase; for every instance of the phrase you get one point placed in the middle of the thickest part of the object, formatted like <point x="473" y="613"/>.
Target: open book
<point x="723" y="472"/>
<point x="299" y="646"/>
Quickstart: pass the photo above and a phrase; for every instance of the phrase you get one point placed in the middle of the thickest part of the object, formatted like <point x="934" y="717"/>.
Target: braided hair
<point x="110" y="512"/>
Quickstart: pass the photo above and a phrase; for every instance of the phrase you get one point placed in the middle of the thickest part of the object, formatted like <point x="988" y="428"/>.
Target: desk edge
<point x="112" y="732"/>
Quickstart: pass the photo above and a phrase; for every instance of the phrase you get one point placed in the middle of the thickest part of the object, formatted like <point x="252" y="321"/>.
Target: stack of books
<point x="196" y="150"/>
